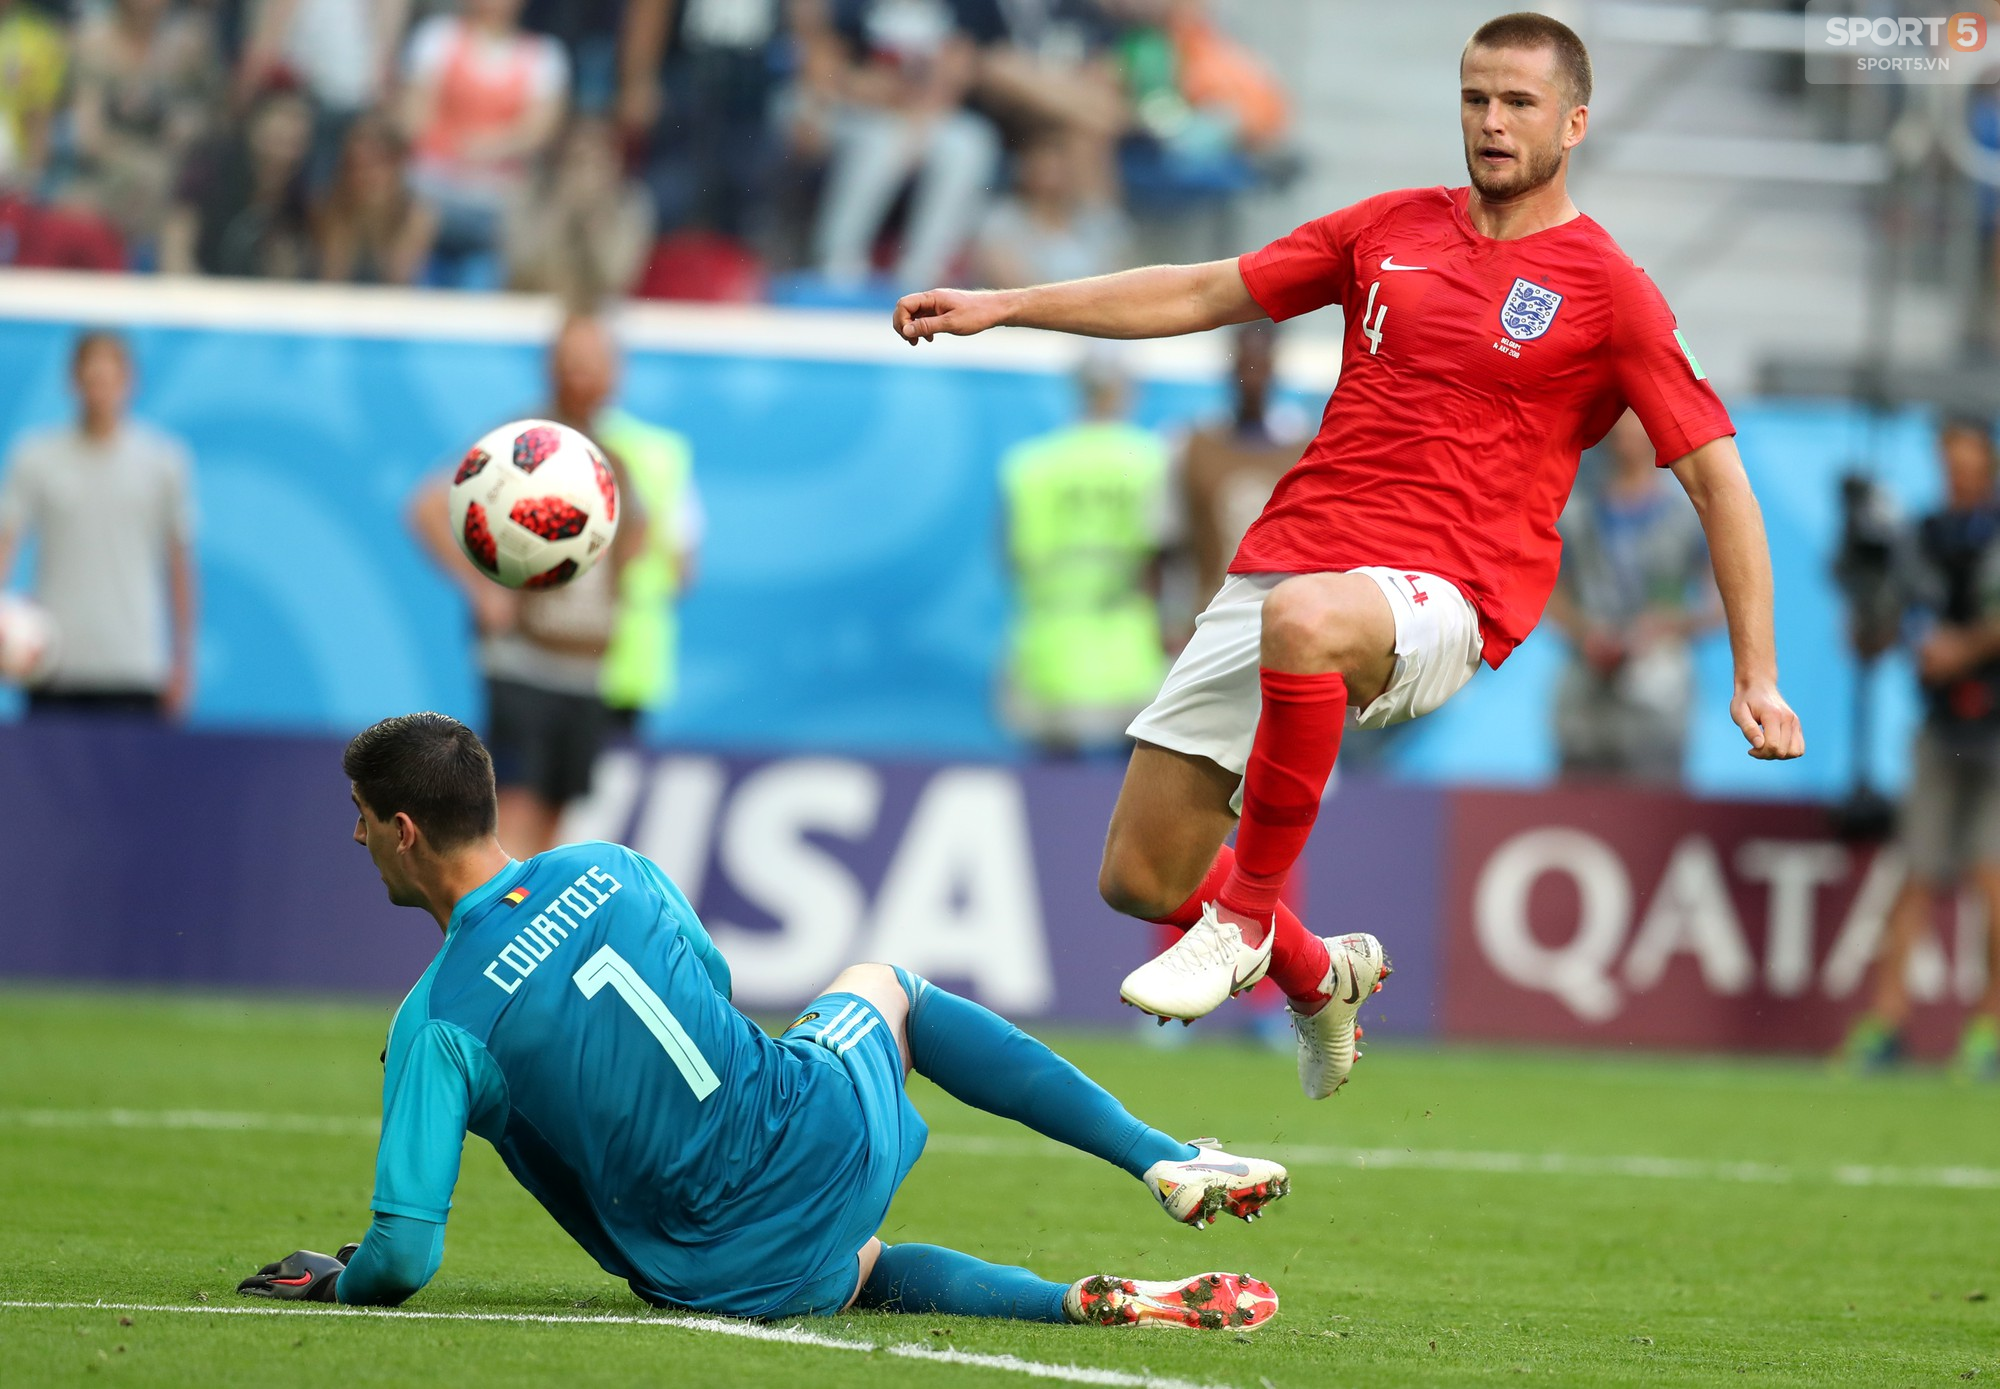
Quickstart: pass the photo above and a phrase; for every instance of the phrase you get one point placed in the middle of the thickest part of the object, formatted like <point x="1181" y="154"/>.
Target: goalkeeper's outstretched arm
<point x="397" y="1257"/>
<point x="435" y="1075"/>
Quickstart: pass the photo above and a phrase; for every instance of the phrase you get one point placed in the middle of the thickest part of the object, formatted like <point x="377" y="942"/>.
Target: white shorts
<point x="1209" y="704"/>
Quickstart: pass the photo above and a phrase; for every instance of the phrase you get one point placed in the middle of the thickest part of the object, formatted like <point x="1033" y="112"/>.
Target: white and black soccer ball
<point x="28" y="641"/>
<point x="534" y="504"/>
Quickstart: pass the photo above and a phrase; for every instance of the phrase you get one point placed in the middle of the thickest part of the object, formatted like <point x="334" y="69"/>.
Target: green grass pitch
<point x="1458" y="1216"/>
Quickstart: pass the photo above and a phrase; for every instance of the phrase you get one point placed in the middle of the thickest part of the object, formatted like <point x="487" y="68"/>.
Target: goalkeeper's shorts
<point x="845" y="1031"/>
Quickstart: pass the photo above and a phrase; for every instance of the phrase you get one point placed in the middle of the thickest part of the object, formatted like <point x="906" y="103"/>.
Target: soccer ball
<point x="28" y="643"/>
<point x="534" y="504"/>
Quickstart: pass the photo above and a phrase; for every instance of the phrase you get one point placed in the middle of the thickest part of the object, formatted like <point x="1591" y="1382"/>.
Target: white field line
<point x="1545" y="1164"/>
<point x="216" y="1120"/>
<point x="1952" y="1178"/>
<point x="718" y="1326"/>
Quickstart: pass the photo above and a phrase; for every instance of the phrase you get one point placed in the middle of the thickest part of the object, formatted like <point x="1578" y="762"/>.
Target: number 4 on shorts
<point x="607" y="966"/>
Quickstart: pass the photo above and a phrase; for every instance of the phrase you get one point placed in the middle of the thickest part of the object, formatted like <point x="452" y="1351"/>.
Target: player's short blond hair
<point x="1526" y="29"/>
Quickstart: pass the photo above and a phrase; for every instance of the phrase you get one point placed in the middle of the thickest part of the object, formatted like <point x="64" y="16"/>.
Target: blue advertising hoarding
<point x="138" y="855"/>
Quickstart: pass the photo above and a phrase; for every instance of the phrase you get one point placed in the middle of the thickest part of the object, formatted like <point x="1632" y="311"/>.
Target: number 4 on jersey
<point x="1372" y="320"/>
<point x="607" y="966"/>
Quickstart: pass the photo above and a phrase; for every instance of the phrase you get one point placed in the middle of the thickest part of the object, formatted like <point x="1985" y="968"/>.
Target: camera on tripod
<point x="1868" y="568"/>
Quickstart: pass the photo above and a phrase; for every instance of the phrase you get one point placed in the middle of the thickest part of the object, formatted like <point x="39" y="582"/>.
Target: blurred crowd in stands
<point x="827" y="151"/>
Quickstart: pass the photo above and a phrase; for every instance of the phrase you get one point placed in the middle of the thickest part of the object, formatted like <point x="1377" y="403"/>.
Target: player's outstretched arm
<point x="1157" y="301"/>
<point x="1734" y="524"/>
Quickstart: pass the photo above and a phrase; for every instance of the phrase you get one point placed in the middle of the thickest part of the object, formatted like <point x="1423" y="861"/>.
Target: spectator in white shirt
<point x="108" y="501"/>
<point x="343" y="51"/>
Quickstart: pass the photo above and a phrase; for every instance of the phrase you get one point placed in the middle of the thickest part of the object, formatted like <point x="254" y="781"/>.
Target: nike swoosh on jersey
<point x="1389" y="263"/>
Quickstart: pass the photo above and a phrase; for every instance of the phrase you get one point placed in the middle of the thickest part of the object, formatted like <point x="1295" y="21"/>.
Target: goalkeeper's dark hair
<point x="430" y="767"/>
<point x="1526" y="29"/>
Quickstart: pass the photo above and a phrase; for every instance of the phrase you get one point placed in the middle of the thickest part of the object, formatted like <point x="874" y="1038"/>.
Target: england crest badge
<point x="1529" y="311"/>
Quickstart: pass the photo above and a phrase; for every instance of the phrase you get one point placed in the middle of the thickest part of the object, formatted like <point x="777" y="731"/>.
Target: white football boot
<point x="1206" y="1302"/>
<point x="1192" y="977"/>
<point x="1326" y="1038"/>
<point x="1195" y="1190"/>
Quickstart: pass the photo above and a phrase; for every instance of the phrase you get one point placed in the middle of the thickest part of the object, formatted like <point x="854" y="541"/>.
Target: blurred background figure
<point x="1193" y="89"/>
<point x="1054" y="225"/>
<point x="592" y="35"/>
<point x="1211" y="123"/>
<point x="370" y="227"/>
<point x="893" y="76"/>
<point x="108" y="502"/>
<point x="1227" y="470"/>
<point x="1950" y="823"/>
<point x="642" y="663"/>
<point x="34" y="68"/>
<point x="240" y="206"/>
<point x="580" y="230"/>
<point x="482" y="100"/>
<point x="1049" y="68"/>
<point x="1083" y="509"/>
<point x="1636" y="589"/>
<point x="341" y="53"/>
<point x="543" y="652"/>
<point x="697" y="83"/>
<point x="148" y="87"/>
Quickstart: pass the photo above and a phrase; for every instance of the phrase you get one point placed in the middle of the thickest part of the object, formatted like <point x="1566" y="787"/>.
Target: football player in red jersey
<point x="1493" y="333"/>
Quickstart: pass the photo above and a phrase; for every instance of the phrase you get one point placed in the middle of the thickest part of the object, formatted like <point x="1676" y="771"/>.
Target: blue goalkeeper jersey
<point x="578" y="1019"/>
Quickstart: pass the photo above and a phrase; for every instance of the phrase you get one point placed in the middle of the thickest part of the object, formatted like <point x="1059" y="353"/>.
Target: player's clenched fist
<point x="955" y="312"/>
<point x="1768" y="723"/>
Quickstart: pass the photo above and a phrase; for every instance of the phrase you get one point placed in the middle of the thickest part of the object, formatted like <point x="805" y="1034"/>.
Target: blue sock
<point x="925" y="1279"/>
<point x="982" y="1059"/>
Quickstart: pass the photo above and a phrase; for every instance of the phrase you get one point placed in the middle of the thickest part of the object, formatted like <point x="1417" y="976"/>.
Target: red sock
<point x="1298" y="738"/>
<point x="1299" y="961"/>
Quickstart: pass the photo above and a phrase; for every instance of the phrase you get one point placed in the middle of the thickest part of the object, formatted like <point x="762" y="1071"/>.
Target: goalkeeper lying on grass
<point x="578" y="1019"/>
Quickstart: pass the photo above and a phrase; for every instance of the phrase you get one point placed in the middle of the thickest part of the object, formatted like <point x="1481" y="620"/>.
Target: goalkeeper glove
<point x="302" y="1276"/>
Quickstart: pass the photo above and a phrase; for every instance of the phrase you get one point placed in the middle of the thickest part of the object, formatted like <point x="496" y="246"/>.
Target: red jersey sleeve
<point x="1314" y="266"/>
<point x="1655" y="372"/>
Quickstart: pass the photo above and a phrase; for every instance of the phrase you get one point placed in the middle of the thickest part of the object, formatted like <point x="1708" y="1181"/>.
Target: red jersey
<point x="1473" y="374"/>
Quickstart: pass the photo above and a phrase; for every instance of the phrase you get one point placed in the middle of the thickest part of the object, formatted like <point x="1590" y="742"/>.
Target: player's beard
<point x="1534" y="168"/>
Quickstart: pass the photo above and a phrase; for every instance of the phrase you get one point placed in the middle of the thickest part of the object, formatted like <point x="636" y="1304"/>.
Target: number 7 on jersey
<point x="607" y="966"/>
